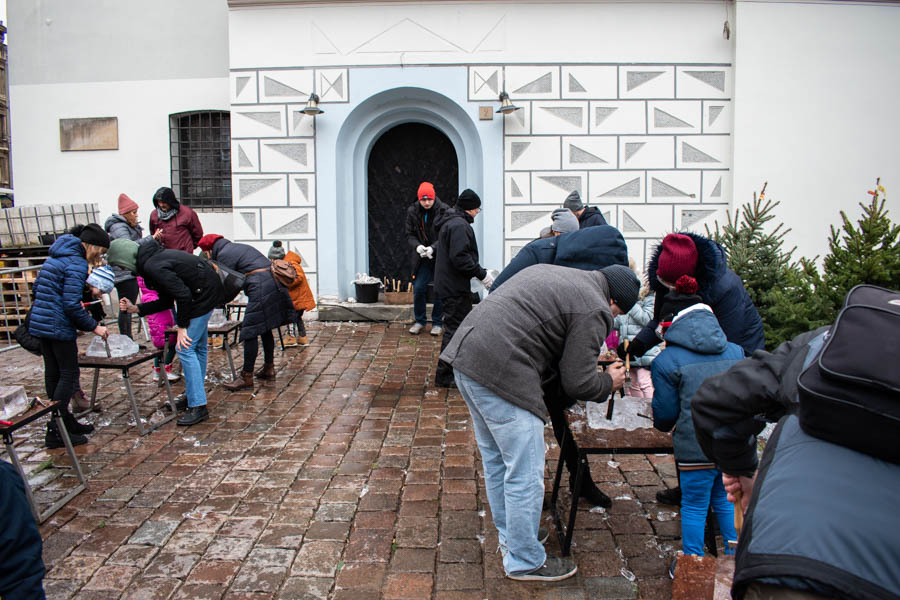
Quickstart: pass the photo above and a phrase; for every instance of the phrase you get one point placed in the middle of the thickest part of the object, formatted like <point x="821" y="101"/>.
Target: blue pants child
<point x="701" y="488"/>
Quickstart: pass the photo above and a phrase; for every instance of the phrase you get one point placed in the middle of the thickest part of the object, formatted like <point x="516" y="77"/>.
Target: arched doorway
<point x="402" y="158"/>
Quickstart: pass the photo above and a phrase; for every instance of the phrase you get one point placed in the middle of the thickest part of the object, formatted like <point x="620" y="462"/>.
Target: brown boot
<point x="266" y="372"/>
<point x="243" y="382"/>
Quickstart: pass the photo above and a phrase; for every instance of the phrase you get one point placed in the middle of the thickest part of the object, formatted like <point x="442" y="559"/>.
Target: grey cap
<point x="573" y="201"/>
<point x="564" y="221"/>
<point x="624" y="286"/>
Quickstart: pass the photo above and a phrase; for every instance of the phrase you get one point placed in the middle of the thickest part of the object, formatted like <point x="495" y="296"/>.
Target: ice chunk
<point x="119" y="345"/>
<point x="217" y="318"/>
<point x="628" y="414"/>
<point x="13" y="401"/>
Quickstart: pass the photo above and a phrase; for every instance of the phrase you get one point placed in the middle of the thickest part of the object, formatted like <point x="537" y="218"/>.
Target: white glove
<point x="421" y="250"/>
<point x="487" y="282"/>
<point x="429" y="252"/>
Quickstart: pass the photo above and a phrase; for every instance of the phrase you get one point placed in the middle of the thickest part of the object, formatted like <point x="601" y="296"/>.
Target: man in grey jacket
<point x="544" y="319"/>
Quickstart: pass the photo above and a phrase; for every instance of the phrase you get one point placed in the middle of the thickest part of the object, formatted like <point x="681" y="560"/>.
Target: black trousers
<point x="251" y="349"/>
<point x="455" y="310"/>
<point x="301" y="328"/>
<point x="557" y="402"/>
<point x="60" y="370"/>
<point x="127" y="289"/>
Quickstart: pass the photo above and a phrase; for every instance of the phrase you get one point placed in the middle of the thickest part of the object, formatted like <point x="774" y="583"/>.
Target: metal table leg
<point x="280" y="339"/>
<point x="134" y="406"/>
<point x="554" y="495"/>
<point x="14" y="459"/>
<point x="573" y="511"/>
<point x="230" y="359"/>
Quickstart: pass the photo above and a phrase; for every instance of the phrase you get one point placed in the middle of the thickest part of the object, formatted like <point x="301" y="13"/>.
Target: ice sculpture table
<point x="123" y="363"/>
<point x="24" y="419"/>
<point x="630" y="432"/>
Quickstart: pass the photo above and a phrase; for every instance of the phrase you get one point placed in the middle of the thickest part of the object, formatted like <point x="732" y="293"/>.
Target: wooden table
<point x="24" y="419"/>
<point x="587" y="440"/>
<point x="123" y="363"/>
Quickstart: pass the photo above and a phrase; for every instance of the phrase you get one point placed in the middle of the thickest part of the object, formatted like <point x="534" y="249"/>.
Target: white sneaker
<point x="437" y="330"/>
<point x="416" y="328"/>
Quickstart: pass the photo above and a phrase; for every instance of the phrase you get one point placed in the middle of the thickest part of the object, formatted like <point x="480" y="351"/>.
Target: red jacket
<point x="181" y="232"/>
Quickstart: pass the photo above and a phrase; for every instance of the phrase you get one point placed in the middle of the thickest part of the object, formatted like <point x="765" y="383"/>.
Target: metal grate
<point x="200" y="145"/>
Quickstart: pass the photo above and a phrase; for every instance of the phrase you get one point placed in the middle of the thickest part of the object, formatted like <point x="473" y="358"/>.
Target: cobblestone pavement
<point x="349" y="476"/>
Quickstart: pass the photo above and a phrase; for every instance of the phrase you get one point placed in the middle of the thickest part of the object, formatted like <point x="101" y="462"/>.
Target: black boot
<point x="193" y="415"/>
<point x="671" y="496"/>
<point x="55" y="440"/>
<point x="180" y="401"/>
<point x="74" y="427"/>
<point x="590" y="491"/>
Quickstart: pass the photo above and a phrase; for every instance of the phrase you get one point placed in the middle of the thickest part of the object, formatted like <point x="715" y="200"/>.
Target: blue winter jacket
<point x="588" y="249"/>
<point x="696" y="348"/>
<point x="57" y="310"/>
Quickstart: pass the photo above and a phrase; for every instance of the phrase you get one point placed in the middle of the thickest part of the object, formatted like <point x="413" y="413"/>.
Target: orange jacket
<point x="300" y="292"/>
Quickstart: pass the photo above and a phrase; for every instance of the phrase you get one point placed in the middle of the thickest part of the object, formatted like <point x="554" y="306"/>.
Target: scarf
<point x="166" y="215"/>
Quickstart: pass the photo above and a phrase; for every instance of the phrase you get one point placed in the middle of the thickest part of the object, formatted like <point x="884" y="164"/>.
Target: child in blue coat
<point x="696" y="348"/>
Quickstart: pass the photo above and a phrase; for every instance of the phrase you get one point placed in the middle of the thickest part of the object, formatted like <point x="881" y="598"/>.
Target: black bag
<point x="850" y="392"/>
<point x="24" y="337"/>
<point x="232" y="281"/>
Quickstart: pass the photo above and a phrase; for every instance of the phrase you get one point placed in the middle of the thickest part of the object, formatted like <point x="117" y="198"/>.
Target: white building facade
<point x="646" y="108"/>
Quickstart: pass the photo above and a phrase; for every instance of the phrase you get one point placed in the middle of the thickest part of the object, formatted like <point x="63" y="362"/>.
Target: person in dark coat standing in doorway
<point x="125" y="225"/>
<point x="422" y="239"/>
<point x="269" y="304"/>
<point x="192" y="286"/>
<point x="172" y="224"/>
<point x="456" y="264"/>
<point x="588" y="216"/>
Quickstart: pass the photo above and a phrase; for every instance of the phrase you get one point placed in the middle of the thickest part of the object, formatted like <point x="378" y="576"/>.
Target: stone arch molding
<point x="359" y="132"/>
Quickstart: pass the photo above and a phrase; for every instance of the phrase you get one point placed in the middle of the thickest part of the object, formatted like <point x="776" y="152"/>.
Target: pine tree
<point x="758" y="257"/>
<point x="868" y="253"/>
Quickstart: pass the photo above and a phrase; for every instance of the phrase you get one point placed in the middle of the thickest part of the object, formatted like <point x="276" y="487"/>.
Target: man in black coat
<point x="456" y="264"/>
<point x="422" y="239"/>
<point x="269" y="304"/>
<point x="192" y="286"/>
<point x="588" y="216"/>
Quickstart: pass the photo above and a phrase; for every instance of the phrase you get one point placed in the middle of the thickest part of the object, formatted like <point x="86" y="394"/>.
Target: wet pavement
<point x="349" y="476"/>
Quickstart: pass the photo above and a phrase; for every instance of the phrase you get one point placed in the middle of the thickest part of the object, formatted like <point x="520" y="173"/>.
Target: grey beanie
<point x="276" y="252"/>
<point x="564" y="221"/>
<point x="623" y="286"/>
<point x="573" y="201"/>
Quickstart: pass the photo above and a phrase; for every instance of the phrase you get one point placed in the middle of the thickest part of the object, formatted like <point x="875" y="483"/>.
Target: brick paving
<point x="349" y="477"/>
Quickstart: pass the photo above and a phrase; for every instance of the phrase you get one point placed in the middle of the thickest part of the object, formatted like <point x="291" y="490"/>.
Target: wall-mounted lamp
<point x="312" y="106"/>
<point x="506" y="105"/>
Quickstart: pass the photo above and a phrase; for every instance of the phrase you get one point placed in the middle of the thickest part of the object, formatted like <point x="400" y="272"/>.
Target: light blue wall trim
<point x="382" y="98"/>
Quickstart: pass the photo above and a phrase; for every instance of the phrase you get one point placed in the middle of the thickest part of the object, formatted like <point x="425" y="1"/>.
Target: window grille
<point x="200" y="144"/>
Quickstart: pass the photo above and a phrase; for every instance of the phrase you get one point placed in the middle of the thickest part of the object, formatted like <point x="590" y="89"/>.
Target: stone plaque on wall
<point x="95" y="133"/>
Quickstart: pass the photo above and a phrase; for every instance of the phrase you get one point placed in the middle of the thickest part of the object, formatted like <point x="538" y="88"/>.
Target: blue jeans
<point x="699" y="489"/>
<point x="511" y="441"/>
<point x="193" y="360"/>
<point x="424" y="275"/>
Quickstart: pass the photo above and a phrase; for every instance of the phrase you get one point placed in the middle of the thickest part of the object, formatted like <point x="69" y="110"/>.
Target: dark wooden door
<point x="401" y="159"/>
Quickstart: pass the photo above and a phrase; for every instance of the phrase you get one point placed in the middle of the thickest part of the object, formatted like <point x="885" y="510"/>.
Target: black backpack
<point x="850" y="392"/>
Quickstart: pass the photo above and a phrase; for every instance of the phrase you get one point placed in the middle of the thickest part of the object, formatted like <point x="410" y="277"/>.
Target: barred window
<point x="200" y="144"/>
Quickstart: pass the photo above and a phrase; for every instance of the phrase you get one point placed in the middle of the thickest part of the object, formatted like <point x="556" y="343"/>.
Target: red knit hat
<point x="126" y="204"/>
<point x="426" y="189"/>
<point x="207" y="241"/>
<point x="677" y="257"/>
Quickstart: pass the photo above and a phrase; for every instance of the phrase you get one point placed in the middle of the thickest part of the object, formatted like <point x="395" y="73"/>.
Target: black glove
<point x="636" y="347"/>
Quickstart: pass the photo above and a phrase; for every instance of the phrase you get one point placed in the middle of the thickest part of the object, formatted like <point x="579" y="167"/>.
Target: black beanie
<point x="623" y="286"/>
<point x="95" y="235"/>
<point x="468" y="200"/>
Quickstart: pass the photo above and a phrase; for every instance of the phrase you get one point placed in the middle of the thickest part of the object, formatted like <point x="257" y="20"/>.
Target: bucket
<point x="367" y="293"/>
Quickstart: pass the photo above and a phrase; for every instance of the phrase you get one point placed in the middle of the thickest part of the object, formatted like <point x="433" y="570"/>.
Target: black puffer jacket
<point x="186" y="281"/>
<point x="268" y="302"/>
<point x="591" y="217"/>
<point x="20" y="543"/>
<point x="420" y="229"/>
<point x="457" y="262"/>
